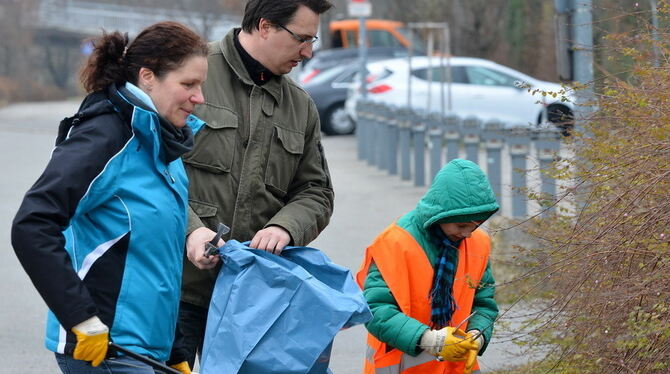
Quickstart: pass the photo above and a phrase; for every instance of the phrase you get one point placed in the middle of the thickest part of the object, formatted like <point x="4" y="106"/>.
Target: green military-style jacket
<point x="258" y="161"/>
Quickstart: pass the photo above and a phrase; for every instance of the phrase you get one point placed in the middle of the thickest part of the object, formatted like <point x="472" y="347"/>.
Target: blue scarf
<point x="443" y="304"/>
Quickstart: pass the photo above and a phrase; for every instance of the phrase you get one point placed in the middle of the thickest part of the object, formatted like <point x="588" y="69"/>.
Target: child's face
<point x="459" y="230"/>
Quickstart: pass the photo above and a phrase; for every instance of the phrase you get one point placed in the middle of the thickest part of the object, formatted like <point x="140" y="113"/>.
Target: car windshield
<point x="328" y="75"/>
<point x="413" y="37"/>
<point x="382" y="38"/>
<point x="488" y="77"/>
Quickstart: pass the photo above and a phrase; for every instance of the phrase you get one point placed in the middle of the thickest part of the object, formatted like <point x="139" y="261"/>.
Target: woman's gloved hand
<point x="92" y="341"/>
<point x="182" y="367"/>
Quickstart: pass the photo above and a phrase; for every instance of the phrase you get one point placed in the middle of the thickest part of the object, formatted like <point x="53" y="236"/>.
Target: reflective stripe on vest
<point x="406" y="362"/>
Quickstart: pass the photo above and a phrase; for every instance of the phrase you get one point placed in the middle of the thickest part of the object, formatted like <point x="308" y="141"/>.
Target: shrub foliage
<point x="603" y="270"/>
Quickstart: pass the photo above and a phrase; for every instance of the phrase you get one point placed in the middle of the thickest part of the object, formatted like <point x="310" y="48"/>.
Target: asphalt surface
<point x="366" y="201"/>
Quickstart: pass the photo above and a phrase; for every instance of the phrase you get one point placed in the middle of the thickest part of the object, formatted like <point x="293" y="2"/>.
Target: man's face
<point x="283" y="50"/>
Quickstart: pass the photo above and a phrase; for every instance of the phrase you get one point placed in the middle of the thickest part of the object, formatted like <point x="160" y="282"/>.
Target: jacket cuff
<point x="194" y="222"/>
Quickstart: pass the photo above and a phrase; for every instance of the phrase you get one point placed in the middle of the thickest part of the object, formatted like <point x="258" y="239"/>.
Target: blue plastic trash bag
<point x="278" y="314"/>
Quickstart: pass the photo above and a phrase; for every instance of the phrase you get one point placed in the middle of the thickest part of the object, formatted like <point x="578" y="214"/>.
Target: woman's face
<point x="458" y="231"/>
<point x="176" y="93"/>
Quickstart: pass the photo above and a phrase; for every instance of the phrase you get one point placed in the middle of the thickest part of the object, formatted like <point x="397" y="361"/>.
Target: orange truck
<point x="380" y="33"/>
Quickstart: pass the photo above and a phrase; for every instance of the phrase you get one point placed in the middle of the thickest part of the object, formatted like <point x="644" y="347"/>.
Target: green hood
<point x="460" y="193"/>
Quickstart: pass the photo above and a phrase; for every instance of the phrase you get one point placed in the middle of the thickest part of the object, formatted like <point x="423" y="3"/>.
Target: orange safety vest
<point x="409" y="275"/>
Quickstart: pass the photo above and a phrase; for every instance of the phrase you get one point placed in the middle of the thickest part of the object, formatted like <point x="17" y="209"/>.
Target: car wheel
<point x="560" y="116"/>
<point x="337" y="121"/>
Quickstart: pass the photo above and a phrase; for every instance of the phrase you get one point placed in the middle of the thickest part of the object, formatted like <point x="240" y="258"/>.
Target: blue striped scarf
<point x="443" y="304"/>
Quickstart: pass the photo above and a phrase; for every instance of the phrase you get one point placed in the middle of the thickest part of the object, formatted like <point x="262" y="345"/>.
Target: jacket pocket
<point x="215" y="142"/>
<point x="202" y="209"/>
<point x="286" y="148"/>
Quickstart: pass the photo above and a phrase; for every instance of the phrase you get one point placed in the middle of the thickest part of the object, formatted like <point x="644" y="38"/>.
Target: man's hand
<point x="195" y="248"/>
<point x="271" y="239"/>
<point x="92" y="341"/>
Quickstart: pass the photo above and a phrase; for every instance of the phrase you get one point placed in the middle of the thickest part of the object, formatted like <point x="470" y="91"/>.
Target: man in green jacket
<point x="258" y="165"/>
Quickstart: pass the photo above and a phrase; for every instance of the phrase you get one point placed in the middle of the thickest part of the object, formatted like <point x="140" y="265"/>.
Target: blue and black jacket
<point x="102" y="230"/>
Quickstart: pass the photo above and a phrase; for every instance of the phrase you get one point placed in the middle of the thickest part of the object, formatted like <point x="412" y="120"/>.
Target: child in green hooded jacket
<point x="428" y="281"/>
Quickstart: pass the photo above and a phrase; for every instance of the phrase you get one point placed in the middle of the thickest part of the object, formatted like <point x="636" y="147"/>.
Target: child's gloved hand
<point x="457" y="343"/>
<point x="449" y="343"/>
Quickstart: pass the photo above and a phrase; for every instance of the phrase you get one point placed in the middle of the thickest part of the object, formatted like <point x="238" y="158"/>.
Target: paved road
<point x="366" y="201"/>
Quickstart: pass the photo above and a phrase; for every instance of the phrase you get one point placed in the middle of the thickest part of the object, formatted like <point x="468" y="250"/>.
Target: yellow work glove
<point x="432" y="341"/>
<point x="448" y="343"/>
<point x="182" y="367"/>
<point x="92" y="341"/>
<point x="472" y="353"/>
<point x="470" y="362"/>
<point x="456" y="344"/>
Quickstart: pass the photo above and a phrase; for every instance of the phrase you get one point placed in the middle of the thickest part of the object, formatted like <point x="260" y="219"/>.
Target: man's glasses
<point x="308" y="40"/>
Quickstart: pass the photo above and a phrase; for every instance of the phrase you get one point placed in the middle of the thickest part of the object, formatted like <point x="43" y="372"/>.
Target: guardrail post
<point x="494" y="139"/>
<point x="519" y="146"/>
<point x="548" y="144"/>
<point x="392" y="154"/>
<point x="374" y="134"/>
<point x="361" y="127"/>
<point x="419" y="137"/>
<point x="382" y="137"/>
<point x="404" y="135"/>
<point x="435" y="135"/>
<point x="471" y="133"/>
<point x="452" y="135"/>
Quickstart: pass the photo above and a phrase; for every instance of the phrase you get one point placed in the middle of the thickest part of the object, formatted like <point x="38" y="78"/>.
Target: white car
<point x="478" y="87"/>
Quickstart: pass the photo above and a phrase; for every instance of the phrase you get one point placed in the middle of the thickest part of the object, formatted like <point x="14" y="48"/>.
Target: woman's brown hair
<point x="161" y="47"/>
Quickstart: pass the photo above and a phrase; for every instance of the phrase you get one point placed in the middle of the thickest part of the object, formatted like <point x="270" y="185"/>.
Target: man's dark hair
<point x="278" y="11"/>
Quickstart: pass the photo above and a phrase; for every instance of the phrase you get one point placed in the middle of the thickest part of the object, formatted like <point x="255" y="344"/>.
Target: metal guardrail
<point x="398" y="140"/>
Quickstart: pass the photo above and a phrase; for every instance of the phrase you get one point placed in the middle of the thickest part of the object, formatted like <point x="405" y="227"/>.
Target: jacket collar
<point x="259" y="73"/>
<point x="232" y="57"/>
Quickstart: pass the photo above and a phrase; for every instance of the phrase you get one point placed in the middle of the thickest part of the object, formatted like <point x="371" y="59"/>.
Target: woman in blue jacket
<point x="101" y="232"/>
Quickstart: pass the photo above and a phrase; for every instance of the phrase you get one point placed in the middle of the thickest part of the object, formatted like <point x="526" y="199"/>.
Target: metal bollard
<point x="519" y="144"/>
<point x="435" y="146"/>
<point x="379" y="135"/>
<point x="365" y="129"/>
<point x="471" y="134"/>
<point x="374" y="134"/>
<point x="404" y="135"/>
<point x="361" y="127"/>
<point x="419" y="140"/>
<point x="383" y="149"/>
<point x="392" y="154"/>
<point x="548" y="144"/>
<point x="452" y="136"/>
<point x="494" y="139"/>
